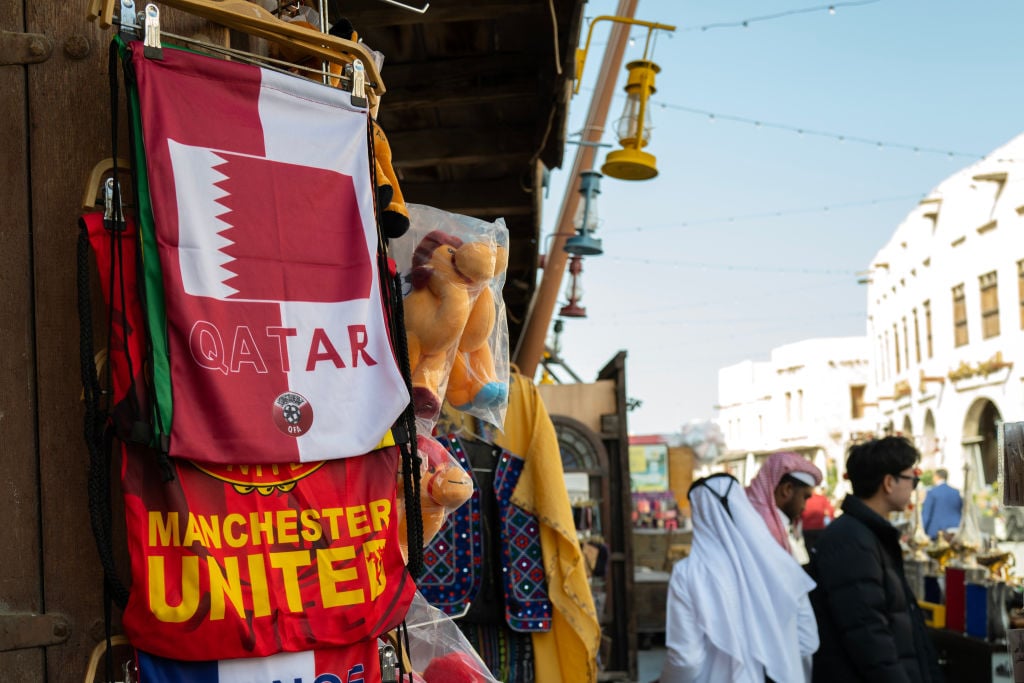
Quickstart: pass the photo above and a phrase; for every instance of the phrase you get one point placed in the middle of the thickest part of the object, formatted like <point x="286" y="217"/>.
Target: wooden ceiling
<point x="475" y="109"/>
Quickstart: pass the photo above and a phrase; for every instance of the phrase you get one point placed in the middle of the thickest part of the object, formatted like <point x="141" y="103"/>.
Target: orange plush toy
<point x="447" y="277"/>
<point x="444" y="486"/>
<point x="474" y="382"/>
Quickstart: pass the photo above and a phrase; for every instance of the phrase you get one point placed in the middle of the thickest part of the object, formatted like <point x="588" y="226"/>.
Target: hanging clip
<point x="113" y="214"/>
<point x="359" y="84"/>
<point x="388" y="664"/>
<point x="127" y="22"/>
<point x="151" y="43"/>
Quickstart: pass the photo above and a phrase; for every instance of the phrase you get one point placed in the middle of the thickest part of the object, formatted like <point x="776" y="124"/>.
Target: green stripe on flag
<point x="156" y="312"/>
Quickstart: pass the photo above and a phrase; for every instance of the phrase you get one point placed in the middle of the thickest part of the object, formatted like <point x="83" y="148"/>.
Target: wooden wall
<point x="57" y="118"/>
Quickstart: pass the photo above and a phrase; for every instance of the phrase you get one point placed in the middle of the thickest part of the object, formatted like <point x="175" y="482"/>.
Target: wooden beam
<point x="481" y="198"/>
<point x="447" y="73"/>
<point x="405" y="100"/>
<point x="478" y="10"/>
<point x="476" y="145"/>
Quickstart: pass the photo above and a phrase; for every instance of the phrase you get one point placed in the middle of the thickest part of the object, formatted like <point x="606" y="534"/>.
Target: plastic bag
<point x="438" y="650"/>
<point x="444" y="486"/>
<point x="453" y="271"/>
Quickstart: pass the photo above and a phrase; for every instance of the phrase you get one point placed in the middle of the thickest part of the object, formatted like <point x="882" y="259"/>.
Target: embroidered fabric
<point x="454" y="558"/>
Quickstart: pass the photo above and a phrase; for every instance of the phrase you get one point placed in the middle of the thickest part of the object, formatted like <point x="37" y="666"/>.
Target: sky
<point x="752" y="234"/>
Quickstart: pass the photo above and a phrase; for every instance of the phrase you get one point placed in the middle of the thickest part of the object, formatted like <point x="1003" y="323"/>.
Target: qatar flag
<point x="263" y="223"/>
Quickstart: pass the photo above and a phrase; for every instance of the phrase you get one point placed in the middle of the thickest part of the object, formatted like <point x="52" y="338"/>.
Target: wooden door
<point x="55" y="114"/>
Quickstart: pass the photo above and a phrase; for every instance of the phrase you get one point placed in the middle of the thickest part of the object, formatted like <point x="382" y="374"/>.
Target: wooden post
<point x="531" y="344"/>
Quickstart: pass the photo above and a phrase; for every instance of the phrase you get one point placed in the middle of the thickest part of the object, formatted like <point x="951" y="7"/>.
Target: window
<point x="927" y="306"/>
<point x="789" y="406"/>
<point x="856" y="401"/>
<point x="989" y="286"/>
<point x="959" y="316"/>
<point x="896" y="347"/>
<point x="917" y="339"/>
<point x="906" y="343"/>
<point x="800" y="404"/>
<point x="1020" y="290"/>
<point x="886" y="370"/>
<point x="879" y="374"/>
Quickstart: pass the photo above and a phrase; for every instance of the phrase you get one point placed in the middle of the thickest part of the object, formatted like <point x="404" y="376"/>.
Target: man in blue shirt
<point x="942" y="506"/>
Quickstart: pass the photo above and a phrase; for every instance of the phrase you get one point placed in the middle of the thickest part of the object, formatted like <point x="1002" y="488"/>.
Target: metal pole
<point x="531" y="344"/>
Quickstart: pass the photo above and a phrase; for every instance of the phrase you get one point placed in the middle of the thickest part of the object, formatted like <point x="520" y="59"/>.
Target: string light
<point x="733" y="267"/>
<point x="745" y="23"/>
<point x="840" y="137"/>
<point x="768" y="214"/>
<point x="799" y="130"/>
<point x="761" y="294"/>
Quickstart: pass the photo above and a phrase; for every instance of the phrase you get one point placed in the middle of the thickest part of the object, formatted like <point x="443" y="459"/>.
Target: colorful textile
<point x="508" y="655"/>
<point x="234" y="561"/>
<point x="263" y="222"/>
<point x="454" y="557"/>
<point x="761" y="491"/>
<point x="527" y="608"/>
<point x="568" y="652"/>
<point x="357" y="663"/>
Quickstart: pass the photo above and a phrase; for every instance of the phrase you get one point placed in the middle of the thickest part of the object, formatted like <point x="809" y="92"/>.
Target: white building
<point x="812" y="397"/>
<point x="946" y="316"/>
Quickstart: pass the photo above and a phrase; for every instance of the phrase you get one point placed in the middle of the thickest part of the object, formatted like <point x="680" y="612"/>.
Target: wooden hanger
<point x="254" y="20"/>
<point x="98" y="653"/>
<point x="91" y="196"/>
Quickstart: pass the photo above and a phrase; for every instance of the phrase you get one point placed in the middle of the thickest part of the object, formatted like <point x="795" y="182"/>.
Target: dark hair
<point x="869" y="462"/>
<point x="941" y="472"/>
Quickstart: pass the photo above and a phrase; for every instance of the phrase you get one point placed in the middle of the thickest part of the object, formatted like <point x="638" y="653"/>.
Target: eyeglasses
<point x="913" y="477"/>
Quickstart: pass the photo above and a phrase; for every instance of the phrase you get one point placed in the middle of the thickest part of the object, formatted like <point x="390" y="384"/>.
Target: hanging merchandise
<point x="261" y="263"/>
<point x="444" y="487"/>
<point x="112" y="241"/>
<point x="236" y="561"/>
<point x="454" y="559"/>
<point x="357" y="663"/>
<point x="438" y="650"/>
<point x="568" y="651"/>
<point x="454" y="271"/>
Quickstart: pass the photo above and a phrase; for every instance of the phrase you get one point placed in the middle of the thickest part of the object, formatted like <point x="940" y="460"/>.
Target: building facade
<point x="812" y="397"/>
<point x="946" y="317"/>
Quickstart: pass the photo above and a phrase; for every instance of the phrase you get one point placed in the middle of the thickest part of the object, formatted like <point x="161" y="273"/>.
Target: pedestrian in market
<point x="779" y="493"/>
<point x="737" y="607"/>
<point x="942" y="506"/>
<point x="870" y="626"/>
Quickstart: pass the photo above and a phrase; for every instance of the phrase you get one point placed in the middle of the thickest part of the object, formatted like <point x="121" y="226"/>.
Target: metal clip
<point x="126" y="21"/>
<point x="113" y="215"/>
<point x="388" y="664"/>
<point x="151" y="43"/>
<point x="359" y="84"/>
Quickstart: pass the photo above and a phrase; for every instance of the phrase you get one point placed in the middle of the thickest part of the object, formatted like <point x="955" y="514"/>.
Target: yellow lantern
<point x="634" y="127"/>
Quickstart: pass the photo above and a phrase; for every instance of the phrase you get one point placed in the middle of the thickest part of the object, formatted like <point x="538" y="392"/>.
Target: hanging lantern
<point x="634" y="127"/>
<point x="574" y="292"/>
<point x="583" y="243"/>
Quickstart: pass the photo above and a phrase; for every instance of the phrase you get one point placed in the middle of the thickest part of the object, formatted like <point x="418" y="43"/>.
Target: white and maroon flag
<point x="263" y="219"/>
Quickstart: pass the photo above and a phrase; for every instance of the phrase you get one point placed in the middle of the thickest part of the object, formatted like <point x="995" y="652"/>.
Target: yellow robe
<point x="568" y="652"/>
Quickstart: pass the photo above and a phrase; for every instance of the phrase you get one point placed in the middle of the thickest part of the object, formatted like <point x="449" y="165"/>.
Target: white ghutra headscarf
<point x="737" y="606"/>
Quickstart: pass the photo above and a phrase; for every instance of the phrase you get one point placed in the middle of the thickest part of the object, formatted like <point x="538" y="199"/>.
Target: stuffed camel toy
<point x="444" y="486"/>
<point x="450" y="297"/>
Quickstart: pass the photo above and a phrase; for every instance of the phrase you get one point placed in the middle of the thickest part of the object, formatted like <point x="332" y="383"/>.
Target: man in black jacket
<point x="868" y="620"/>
